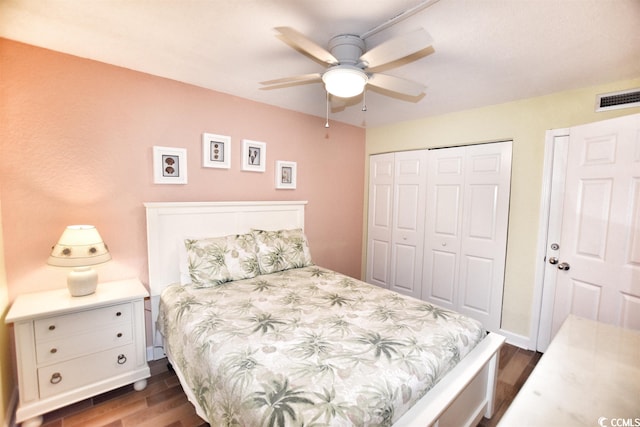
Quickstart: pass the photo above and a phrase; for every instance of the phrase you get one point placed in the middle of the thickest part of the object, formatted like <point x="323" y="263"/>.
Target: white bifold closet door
<point x="381" y="167"/>
<point x="396" y="221"/>
<point x="468" y="192"/>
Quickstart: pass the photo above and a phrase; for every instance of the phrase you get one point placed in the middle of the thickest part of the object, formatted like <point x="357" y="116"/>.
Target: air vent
<point x="615" y="100"/>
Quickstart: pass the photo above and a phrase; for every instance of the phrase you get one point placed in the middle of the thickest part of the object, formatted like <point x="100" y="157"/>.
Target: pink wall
<point x="77" y="137"/>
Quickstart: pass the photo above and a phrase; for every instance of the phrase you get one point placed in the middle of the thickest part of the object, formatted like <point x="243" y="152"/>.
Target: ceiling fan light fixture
<point x="345" y="81"/>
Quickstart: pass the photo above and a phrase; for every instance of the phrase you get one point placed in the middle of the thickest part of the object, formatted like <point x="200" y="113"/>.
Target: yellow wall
<point x="6" y="373"/>
<point x="525" y="122"/>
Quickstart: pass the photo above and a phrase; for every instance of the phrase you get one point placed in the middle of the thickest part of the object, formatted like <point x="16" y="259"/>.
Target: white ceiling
<point x="485" y="51"/>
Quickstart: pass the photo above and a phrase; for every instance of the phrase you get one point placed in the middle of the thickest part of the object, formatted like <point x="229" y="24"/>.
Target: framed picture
<point x="169" y="165"/>
<point x="254" y="155"/>
<point x="216" y="151"/>
<point x="286" y="175"/>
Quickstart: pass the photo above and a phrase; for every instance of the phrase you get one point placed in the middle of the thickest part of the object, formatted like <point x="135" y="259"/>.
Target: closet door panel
<point x="443" y="277"/>
<point x="476" y="285"/>
<point x="484" y="232"/>
<point x="446" y="210"/>
<point x="404" y="268"/>
<point x="379" y="252"/>
<point x="483" y="199"/>
<point x="380" y="217"/>
<point x="445" y="182"/>
<point x="408" y="202"/>
<point x="408" y="222"/>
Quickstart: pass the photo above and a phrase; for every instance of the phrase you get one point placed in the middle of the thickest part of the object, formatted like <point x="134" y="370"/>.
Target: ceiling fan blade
<point x="397" y="48"/>
<point x="303" y="78"/>
<point x="396" y="84"/>
<point x="305" y="44"/>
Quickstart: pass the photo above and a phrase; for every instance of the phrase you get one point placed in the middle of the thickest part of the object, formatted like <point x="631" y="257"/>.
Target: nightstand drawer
<point x="71" y="324"/>
<point x="75" y="373"/>
<point x="85" y="343"/>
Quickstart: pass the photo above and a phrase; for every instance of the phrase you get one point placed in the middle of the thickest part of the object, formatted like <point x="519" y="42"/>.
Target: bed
<point x="274" y="341"/>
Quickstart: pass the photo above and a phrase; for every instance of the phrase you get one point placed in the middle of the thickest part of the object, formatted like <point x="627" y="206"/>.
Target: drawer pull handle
<point x="119" y="335"/>
<point x="55" y="378"/>
<point x="122" y="359"/>
<point x="52" y="327"/>
<point x="118" y="314"/>
<point x="53" y="350"/>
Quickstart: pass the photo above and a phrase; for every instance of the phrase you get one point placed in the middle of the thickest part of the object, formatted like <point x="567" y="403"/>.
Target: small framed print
<point x="254" y="155"/>
<point x="216" y="151"/>
<point x="286" y="175"/>
<point x="169" y="165"/>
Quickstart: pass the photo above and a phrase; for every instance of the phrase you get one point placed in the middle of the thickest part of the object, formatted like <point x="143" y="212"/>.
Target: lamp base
<point x="82" y="281"/>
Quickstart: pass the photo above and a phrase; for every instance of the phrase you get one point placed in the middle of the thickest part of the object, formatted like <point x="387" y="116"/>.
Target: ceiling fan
<point x="351" y="67"/>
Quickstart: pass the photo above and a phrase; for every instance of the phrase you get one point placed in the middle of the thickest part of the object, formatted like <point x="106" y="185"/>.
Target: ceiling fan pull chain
<point x="326" y="124"/>
<point x="364" y="100"/>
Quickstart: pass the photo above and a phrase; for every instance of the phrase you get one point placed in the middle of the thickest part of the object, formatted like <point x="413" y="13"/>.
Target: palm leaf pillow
<point x="217" y="260"/>
<point x="281" y="250"/>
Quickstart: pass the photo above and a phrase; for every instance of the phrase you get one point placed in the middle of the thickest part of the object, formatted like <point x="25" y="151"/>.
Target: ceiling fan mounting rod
<point x="399" y="17"/>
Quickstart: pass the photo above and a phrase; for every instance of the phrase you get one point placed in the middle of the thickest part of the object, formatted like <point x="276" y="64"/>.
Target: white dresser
<point x="71" y="348"/>
<point x="589" y="376"/>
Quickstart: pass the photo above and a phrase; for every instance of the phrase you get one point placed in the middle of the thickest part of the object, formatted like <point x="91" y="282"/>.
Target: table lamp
<point x="80" y="246"/>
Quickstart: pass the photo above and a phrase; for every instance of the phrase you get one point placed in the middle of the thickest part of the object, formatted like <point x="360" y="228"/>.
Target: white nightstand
<point x="71" y="348"/>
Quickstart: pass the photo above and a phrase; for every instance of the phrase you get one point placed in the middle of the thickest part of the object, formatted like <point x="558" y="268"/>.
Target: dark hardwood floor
<point x="163" y="402"/>
<point x="514" y="367"/>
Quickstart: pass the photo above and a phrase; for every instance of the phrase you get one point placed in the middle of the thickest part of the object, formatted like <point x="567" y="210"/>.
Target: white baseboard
<point x="155" y="353"/>
<point x="518" y="340"/>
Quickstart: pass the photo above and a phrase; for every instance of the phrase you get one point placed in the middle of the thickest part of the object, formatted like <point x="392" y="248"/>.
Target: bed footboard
<point x="464" y="395"/>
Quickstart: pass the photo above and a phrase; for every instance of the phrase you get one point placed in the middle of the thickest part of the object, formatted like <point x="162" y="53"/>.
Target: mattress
<point x="308" y="346"/>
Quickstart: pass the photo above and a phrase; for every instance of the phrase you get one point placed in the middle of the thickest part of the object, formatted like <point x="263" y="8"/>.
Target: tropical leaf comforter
<point x="308" y="347"/>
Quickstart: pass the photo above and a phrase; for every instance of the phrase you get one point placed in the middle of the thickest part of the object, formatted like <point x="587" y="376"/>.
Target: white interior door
<point x="381" y="170"/>
<point x="408" y="222"/>
<point x="558" y="143"/>
<point x="598" y="258"/>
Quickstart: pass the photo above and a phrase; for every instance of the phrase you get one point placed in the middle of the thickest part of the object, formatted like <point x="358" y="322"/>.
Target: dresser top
<point x="589" y="376"/>
<point x="59" y="301"/>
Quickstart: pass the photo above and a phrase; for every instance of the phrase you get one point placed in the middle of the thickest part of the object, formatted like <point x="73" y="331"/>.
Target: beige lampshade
<point x="79" y="246"/>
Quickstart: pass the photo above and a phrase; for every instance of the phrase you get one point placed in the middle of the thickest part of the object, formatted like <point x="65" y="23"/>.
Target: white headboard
<point x="168" y="224"/>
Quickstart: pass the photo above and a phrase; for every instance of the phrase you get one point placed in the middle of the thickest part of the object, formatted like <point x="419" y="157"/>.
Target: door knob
<point x="564" y="266"/>
<point x="553" y="260"/>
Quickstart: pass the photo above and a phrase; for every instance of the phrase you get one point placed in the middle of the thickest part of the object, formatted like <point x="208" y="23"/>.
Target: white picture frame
<point x="286" y="175"/>
<point x="169" y="165"/>
<point x="216" y="151"/>
<point x="254" y="155"/>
